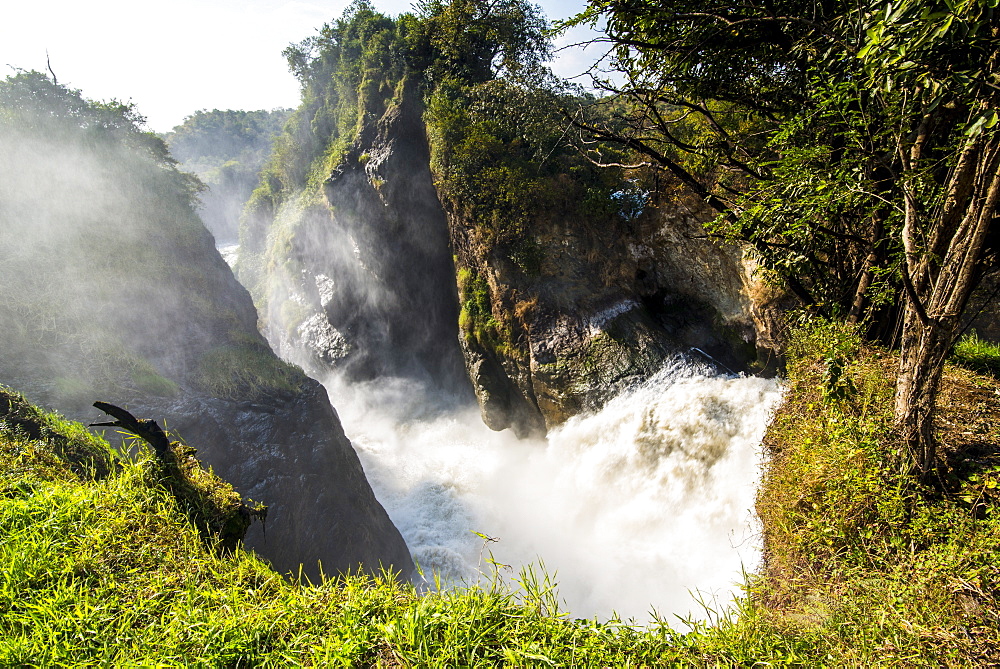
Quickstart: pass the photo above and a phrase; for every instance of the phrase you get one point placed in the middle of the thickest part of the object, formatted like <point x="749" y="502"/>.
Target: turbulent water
<point x="631" y="510"/>
<point x="230" y="253"/>
<point x="638" y="510"/>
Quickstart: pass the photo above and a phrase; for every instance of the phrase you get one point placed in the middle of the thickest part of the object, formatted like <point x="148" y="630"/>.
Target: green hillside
<point x="99" y="565"/>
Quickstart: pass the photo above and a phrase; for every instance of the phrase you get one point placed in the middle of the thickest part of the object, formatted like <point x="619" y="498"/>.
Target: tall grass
<point x="862" y="562"/>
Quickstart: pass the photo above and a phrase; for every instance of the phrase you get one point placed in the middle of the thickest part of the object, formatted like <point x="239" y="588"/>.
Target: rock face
<point x="356" y="276"/>
<point x="607" y="304"/>
<point x="113" y="290"/>
<point x="678" y="264"/>
<point x="289" y="451"/>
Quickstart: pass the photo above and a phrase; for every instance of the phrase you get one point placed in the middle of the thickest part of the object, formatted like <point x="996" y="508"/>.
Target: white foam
<point x="630" y="508"/>
<point x="230" y="253"/>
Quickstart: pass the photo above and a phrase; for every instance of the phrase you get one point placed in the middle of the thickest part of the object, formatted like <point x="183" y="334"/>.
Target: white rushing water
<point x="230" y="253"/>
<point x="630" y="509"/>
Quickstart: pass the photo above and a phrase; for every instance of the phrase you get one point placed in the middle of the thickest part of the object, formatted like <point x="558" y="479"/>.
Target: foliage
<point x="218" y="136"/>
<point x="868" y="565"/>
<point x="743" y="54"/>
<point x="226" y="150"/>
<point x="499" y="155"/>
<point x="821" y="217"/>
<point x="476" y="42"/>
<point x="351" y="71"/>
<point x="476" y="318"/>
<point x="822" y="188"/>
<point x="348" y="72"/>
<point x="31" y="103"/>
<point x="877" y="177"/>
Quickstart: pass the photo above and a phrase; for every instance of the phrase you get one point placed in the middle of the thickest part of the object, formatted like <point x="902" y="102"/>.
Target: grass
<point x="977" y="354"/>
<point x="246" y="368"/>
<point x="110" y="570"/>
<point x="862" y="567"/>
<point x="862" y="563"/>
<point x="110" y="573"/>
<point x="476" y="318"/>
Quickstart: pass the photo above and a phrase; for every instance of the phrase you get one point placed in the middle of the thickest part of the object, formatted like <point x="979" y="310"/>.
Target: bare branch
<point x="48" y="63"/>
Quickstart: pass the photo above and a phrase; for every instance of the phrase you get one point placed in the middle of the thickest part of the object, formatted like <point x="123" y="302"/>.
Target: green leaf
<point x="976" y="126"/>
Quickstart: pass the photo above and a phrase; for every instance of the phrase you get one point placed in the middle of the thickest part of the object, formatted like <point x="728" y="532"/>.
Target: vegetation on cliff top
<point x="88" y="199"/>
<point x="863" y="565"/>
<point x="868" y="177"/>
<point x="226" y="150"/>
<point x="475" y="71"/>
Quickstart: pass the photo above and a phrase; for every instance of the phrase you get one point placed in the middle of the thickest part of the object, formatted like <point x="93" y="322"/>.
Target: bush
<point x="861" y="561"/>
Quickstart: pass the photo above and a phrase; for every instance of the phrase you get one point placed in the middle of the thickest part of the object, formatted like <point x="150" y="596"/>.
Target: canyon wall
<point x="113" y="290"/>
<point x="424" y="215"/>
<point x="605" y="304"/>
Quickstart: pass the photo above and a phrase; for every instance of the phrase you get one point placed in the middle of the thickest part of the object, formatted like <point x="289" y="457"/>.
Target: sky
<point x="173" y="58"/>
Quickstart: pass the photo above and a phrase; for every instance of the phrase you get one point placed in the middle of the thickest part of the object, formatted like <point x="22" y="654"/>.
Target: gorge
<point x="581" y="330"/>
<point x="114" y="291"/>
<point x="693" y="366"/>
<point x="377" y="271"/>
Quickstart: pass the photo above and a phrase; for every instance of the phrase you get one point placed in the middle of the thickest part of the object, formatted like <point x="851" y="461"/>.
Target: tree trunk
<point x="937" y="290"/>
<point x="923" y="351"/>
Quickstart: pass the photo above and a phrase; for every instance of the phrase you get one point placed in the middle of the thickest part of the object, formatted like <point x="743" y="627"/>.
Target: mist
<point x="638" y="510"/>
<point x="631" y="510"/>
<point x="113" y="290"/>
<point x="226" y="150"/>
<point x="357" y="274"/>
<point x="88" y="216"/>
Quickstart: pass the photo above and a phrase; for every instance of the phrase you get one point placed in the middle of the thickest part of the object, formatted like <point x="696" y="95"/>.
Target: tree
<point x="855" y="146"/>
<point x="477" y="41"/>
<point x="942" y="57"/>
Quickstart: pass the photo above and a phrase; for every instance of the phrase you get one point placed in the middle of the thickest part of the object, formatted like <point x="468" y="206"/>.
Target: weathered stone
<point x="610" y="303"/>
<point x="367" y="267"/>
<point x="117" y="293"/>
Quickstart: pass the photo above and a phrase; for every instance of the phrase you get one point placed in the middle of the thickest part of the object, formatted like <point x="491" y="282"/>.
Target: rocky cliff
<point x="113" y="290"/>
<point x="577" y="281"/>
<point x="355" y="274"/>
<point x="414" y="220"/>
<point x="607" y="303"/>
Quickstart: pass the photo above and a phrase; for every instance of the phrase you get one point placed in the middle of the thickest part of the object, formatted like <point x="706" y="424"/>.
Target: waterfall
<point x="630" y="509"/>
<point x="229" y="252"/>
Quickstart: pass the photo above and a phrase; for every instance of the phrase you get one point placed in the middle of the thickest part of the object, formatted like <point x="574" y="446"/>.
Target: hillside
<point x="226" y="150"/>
<point x="99" y="565"/>
<point x="113" y="290"/>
